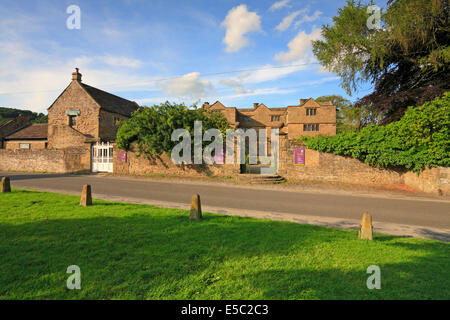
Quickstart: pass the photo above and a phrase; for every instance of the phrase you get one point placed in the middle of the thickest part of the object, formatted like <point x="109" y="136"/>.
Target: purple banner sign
<point x="219" y="158"/>
<point x="299" y="157"/>
<point x="123" y="157"/>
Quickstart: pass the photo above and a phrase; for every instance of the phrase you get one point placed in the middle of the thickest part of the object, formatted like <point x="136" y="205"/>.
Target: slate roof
<point x="110" y="102"/>
<point x="37" y="131"/>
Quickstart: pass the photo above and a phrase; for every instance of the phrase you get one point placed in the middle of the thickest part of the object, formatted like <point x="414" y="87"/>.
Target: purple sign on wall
<point x="219" y="158"/>
<point x="299" y="157"/>
<point x="123" y="157"/>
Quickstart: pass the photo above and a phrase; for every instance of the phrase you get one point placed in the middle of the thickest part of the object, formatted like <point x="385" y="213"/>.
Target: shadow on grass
<point x="143" y="252"/>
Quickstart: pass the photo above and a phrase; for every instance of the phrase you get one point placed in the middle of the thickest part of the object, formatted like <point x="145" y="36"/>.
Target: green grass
<point x="129" y="251"/>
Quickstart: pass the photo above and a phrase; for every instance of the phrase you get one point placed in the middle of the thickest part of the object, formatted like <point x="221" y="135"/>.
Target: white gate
<point x="102" y="157"/>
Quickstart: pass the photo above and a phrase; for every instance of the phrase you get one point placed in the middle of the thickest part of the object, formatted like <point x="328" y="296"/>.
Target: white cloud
<point x="270" y="73"/>
<point x="316" y="15"/>
<point x="256" y="92"/>
<point x="39" y="77"/>
<point x="287" y="21"/>
<point x="279" y="4"/>
<point x="238" y="22"/>
<point x="113" y="34"/>
<point x="189" y="85"/>
<point x="299" y="47"/>
<point x="236" y="85"/>
<point x="122" y="62"/>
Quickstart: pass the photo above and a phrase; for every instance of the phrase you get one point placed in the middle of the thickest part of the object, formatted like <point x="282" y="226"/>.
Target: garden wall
<point x="143" y="165"/>
<point x="321" y="166"/>
<point x="47" y="160"/>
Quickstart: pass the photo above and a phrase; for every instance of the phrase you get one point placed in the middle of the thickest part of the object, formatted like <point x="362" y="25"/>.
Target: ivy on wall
<point x="421" y="138"/>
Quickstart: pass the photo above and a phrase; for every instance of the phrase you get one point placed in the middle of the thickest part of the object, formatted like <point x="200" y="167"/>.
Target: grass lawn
<point x="129" y="251"/>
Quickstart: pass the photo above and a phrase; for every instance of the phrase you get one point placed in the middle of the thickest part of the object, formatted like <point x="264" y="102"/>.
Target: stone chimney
<point x="206" y="105"/>
<point x="76" y="76"/>
<point x="255" y="105"/>
<point x="302" y="101"/>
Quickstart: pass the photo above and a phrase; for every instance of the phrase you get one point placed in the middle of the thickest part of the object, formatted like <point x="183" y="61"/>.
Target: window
<point x="275" y="118"/>
<point x="72" y="121"/>
<point x="311" y="111"/>
<point x="24" y="146"/>
<point x="311" y="127"/>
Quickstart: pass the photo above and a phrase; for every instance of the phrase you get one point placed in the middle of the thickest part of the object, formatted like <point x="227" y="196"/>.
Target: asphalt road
<point x="424" y="212"/>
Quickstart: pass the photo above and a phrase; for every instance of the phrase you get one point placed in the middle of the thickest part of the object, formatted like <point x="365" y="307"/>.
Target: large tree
<point x="349" y="117"/>
<point x="406" y="59"/>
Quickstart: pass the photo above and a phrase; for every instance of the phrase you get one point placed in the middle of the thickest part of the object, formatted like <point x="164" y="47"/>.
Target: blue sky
<point x="238" y="52"/>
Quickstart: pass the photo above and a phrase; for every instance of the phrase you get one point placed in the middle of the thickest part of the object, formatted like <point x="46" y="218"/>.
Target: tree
<point x="349" y="117"/>
<point x="407" y="60"/>
<point x="151" y="127"/>
<point x="12" y="113"/>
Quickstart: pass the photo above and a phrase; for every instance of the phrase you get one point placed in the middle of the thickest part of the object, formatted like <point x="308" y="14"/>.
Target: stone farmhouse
<point x="308" y="118"/>
<point x="81" y="117"/>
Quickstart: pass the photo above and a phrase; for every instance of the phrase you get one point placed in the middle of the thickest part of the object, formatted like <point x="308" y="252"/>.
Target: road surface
<point x="417" y="216"/>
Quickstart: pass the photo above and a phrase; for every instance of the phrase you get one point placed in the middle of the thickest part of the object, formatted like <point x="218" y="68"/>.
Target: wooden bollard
<point x="86" y="196"/>
<point x="196" y="208"/>
<point x="5" y="185"/>
<point x="366" y="230"/>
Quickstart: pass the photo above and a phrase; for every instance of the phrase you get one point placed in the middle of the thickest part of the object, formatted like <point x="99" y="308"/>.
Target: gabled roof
<point x="37" y="131"/>
<point x="106" y="101"/>
<point x="218" y="104"/>
<point x="111" y="102"/>
<point x="310" y="100"/>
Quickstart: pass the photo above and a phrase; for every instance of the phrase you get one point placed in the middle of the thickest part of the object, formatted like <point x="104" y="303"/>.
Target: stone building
<point x="308" y="118"/>
<point x="9" y="127"/>
<point x="81" y="117"/>
<point x="83" y="123"/>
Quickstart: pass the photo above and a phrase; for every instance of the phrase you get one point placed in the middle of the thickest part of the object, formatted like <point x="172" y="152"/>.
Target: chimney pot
<point x="255" y="105"/>
<point x="76" y="76"/>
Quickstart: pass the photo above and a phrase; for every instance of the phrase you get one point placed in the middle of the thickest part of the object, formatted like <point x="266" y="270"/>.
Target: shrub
<point x="419" y="139"/>
<point x="151" y="127"/>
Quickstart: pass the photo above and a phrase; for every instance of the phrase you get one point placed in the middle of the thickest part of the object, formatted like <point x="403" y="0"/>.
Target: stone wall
<point x="64" y="136"/>
<point x="54" y="161"/>
<point x="75" y="98"/>
<point x="34" y="144"/>
<point x="142" y="165"/>
<point x="431" y="180"/>
<point x="321" y="166"/>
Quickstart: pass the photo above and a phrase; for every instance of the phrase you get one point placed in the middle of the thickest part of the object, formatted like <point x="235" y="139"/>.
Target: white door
<point x="102" y="157"/>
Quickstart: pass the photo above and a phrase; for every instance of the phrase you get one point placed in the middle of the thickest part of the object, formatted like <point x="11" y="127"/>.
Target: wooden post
<point x="5" y="185"/>
<point x="196" y="208"/>
<point x="86" y="196"/>
<point x="366" y="231"/>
